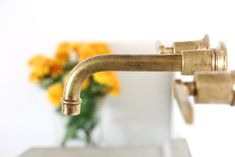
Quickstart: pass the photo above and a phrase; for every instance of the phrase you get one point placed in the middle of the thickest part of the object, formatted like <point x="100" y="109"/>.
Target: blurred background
<point x="28" y="27"/>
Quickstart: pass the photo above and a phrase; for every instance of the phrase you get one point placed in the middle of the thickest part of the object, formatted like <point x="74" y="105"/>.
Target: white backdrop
<point x="27" y="26"/>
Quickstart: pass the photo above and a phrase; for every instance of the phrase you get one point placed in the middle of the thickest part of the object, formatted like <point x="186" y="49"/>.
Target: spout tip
<point x="71" y="107"/>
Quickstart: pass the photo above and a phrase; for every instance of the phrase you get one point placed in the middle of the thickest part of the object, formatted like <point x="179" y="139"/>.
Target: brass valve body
<point x="215" y="87"/>
<point x="207" y="88"/>
<point x="204" y="60"/>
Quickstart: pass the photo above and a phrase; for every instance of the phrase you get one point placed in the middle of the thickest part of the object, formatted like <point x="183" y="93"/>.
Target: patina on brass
<point x="204" y="60"/>
<point x="181" y="92"/>
<point x="177" y="47"/>
<point x="207" y="88"/>
<point x="173" y="62"/>
<point x="214" y="88"/>
<point x="71" y="100"/>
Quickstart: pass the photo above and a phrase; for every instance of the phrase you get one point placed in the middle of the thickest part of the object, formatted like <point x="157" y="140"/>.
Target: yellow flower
<point x="64" y="50"/>
<point x="92" y="49"/>
<point x="55" y="93"/>
<point x="55" y="69"/>
<point x="110" y="79"/>
<point x="41" y="65"/>
<point x="62" y="57"/>
<point x="37" y="60"/>
<point x="76" y="46"/>
<point x="33" y="77"/>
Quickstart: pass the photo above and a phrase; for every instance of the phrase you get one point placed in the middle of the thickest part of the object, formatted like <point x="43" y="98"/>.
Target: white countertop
<point x="172" y="148"/>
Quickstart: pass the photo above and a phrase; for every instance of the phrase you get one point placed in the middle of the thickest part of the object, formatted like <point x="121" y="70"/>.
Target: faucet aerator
<point x="71" y="107"/>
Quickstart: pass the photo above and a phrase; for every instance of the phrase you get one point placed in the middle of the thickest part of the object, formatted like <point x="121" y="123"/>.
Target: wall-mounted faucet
<point x="187" y="62"/>
<point x="207" y="88"/>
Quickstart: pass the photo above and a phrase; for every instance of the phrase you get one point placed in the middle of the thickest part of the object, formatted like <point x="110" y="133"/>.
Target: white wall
<point x="28" y="26"/>
<point x="140" y="115"/>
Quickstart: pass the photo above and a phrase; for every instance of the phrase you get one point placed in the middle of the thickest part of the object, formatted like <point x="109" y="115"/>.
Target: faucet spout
<point x="71" y="102"/>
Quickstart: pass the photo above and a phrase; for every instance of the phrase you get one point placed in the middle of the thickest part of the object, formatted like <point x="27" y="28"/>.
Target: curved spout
<point x="71" y="100"/>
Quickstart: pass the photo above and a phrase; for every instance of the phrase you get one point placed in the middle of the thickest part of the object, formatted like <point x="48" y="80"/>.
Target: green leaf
<point x="48" y="81"/>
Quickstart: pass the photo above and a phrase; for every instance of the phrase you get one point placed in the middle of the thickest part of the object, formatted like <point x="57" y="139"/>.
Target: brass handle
<point x="207" y="88"/>
<point x="181" y="96"/>
<point x="198" y="56"/>
<point x="214" y="88"/>
<point x="179" y="46"/>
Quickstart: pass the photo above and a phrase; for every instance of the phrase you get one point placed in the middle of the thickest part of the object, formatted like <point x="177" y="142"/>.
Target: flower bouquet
<point x="50" y="74"/>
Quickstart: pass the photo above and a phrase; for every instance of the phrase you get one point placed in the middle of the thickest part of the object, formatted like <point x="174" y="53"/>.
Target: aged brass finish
<point x="215" y="88"/>
<point x="207" y="88"/>
<point x="71" y="100"/>
<point x="178" y="47"/>
<point x="204" y="60"/>
<point x="182" y="92"/>
<point x="178" y="62"/>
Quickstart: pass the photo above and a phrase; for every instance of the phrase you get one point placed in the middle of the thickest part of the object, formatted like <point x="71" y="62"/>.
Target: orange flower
<point x="37" y="60"/>
<point x="56" y="69"/>
<point x="33" y="77"/>
<point x="110" y="79"/>
<point x="62" y="57"/>
<point x="55" y="93"/>
<point x="64" y="50"/>
<point x="92" y="49"/>
<point x="41" y="66"/>
<point x="76" y="46"/>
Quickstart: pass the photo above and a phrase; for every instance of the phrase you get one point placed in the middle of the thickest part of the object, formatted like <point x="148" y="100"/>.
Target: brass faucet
<point x="207" y="88"/>
<point x="186" y="62"/>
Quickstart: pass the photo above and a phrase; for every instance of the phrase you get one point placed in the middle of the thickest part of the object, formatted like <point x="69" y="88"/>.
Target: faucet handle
<point x="197" y="55"/>
<point x="179" y="46"/>
<point x="215" y="87"/>
<point x="207" y="88"/>
<point x="181" y="91"/>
